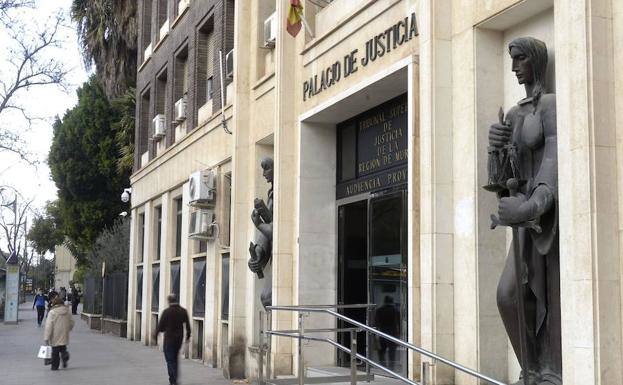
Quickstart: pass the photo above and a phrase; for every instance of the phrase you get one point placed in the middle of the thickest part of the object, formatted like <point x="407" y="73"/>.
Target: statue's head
<point x="267" y="166"/>
<point x="529" y="57"/>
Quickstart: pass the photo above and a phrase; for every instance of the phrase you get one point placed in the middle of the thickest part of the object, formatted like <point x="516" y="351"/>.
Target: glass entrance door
<point x="372" y="268"/>
<point x="387" y="278"/>
<point x="352" y="269"/>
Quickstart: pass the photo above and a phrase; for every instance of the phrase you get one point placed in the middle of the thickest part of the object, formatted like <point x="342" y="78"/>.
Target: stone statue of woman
<point x="522" y="150"/>
<point x="260" y="252"/>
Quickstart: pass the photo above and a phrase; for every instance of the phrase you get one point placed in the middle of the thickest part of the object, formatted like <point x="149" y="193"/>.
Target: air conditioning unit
<point x="147" y="54"/>
<point x="229" y="65"/>
<point x="164" y="29"/>
<point x="202" y="225"/>
<point x="180" y="109"/>
<point x="181" y="6"/>
<point x="270" y="31"/>
<point x="159" y="130"/>
<point x="202" y="188"/>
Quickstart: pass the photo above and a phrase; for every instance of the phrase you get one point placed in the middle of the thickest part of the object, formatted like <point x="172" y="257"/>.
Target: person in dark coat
<point x="171" y="323"/>
<point x="75" y="299"/>
<point x="388" y="321"/>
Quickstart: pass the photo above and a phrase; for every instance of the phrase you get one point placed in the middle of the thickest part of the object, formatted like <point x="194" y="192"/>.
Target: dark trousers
<point x="390" y="347"/>
<point x="58" y="353"/>
<point x="40" y="314"/>
<point x="171" y="352"/>
<point x="74" y="307"/>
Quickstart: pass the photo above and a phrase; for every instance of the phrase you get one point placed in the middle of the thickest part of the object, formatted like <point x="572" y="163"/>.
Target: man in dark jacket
<point x="75" y="299"/>
<point x="171" y="324"/>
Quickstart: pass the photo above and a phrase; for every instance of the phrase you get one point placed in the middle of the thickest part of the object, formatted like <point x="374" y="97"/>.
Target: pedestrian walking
<point x="75" y="299"/>
<point x="171" y="324"/>
<point x="39" y="303"/>
<point x="57" y="328"/>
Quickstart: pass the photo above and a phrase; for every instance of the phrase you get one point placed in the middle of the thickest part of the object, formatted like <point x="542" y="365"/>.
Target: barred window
<point x="225" y="286"/>
<point x="199" y="287"/>
<point x="178" y="227"/>
<point x="155" y="285"/>
<point x="158" y="239"/>
<point x="175" y="278"/>
<point x="139" y="288"/>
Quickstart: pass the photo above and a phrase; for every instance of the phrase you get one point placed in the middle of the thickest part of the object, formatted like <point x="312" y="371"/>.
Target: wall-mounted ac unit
<point x="180" y="109"/>
<point x="229" y="65"/>
<point x="202" y="188"/>
<point x="202" y="225"/>
<point x="164" y="29"/>
<point x="181" y="6"/>
<point x="159" y="130"/>
<point x="270" y="31"/>
<point x="147" y="53"/>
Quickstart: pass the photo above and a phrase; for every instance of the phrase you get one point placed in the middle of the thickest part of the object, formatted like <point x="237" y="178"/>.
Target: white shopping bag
<point x="45" y="352"/>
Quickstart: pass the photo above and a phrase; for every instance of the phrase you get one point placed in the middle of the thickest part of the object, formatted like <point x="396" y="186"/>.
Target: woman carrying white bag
<point x="57" y="327"/>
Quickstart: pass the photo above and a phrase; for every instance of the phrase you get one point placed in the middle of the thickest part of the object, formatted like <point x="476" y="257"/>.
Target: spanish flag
<point x="295" y="15"/>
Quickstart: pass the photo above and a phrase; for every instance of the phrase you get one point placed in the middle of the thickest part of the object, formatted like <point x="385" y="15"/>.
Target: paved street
<point x="96" y="359"/>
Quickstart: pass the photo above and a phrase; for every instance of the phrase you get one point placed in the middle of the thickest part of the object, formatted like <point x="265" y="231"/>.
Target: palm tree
<point x="125" y="105"/>
<point x="107" y="30"/>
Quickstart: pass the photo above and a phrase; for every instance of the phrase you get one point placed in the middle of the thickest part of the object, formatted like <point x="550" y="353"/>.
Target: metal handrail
<point x="436" y="357"/>
<point x="344" y="349"/>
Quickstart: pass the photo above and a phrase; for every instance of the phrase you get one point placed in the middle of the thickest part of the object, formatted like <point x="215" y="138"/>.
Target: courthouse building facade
<point x="377" y="119"/>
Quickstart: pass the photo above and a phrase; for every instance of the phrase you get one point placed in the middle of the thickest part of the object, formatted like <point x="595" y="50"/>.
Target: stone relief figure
<point x="262" y="217"/>
<point x="523" y="166"/>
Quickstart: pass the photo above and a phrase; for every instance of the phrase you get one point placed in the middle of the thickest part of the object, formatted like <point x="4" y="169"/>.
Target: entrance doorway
<point x="372" y="268"/>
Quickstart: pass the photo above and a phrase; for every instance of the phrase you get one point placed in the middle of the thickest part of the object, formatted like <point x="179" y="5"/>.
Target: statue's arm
<point x="542" y="198"/>
<point x="266" y="229"/>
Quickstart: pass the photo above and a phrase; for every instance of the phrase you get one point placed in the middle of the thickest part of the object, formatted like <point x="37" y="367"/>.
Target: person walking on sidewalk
<point x="39" y="302"/>
<point x="171" y="324"/>
<point x="57" y="328"/>
<point x="75" y="299"/>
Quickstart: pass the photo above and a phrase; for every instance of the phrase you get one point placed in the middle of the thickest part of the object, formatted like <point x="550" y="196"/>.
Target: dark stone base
<point x="115" y="326"/>
<point x="93" y="320"/>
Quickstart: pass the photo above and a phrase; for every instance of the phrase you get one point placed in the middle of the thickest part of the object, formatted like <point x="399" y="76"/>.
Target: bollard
<point x="269" y="323"/>
<point x="353" y="357"/>
<point x="426" y="371"/>
<point x="260" y="375"/>
<point x="301" y="360"/>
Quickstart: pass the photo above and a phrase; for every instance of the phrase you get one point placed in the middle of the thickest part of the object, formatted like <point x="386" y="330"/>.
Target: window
<point x="160" y="98"/>
<point x="155" y="285"/>
<point x="225" y="286"/>
<point x="158" y="212"/>
<point x="144" y="124"/>
<point x="141" y="237"/>
<point x="181" y="74"/>
<point x="175" y="279"/>
<point x="139" y="288"/>
<point x="265" y="58"/>
<point x="146" y="37"/>
<point x="206" y="57"/>
<point x="199" y="287"/>
<point x="180" y="6"/>
<point x="180" y="91"/>
<point x="178" y="227"/>
<point x="226" y="211"/>
<point x="209" y="87"/>
<point x="163" y="17"/>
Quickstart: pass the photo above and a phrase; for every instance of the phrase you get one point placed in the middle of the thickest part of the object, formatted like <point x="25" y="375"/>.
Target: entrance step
<point x="334" y="375"/>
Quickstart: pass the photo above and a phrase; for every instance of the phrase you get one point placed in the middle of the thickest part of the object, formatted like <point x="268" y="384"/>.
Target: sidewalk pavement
<point x="96" y="359"/>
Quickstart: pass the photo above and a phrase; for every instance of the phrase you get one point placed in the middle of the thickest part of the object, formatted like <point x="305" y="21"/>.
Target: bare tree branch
<point x="30" y="64"/>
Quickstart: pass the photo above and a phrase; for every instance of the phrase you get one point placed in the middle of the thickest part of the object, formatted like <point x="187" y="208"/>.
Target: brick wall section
<point x="184" y="34"/>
